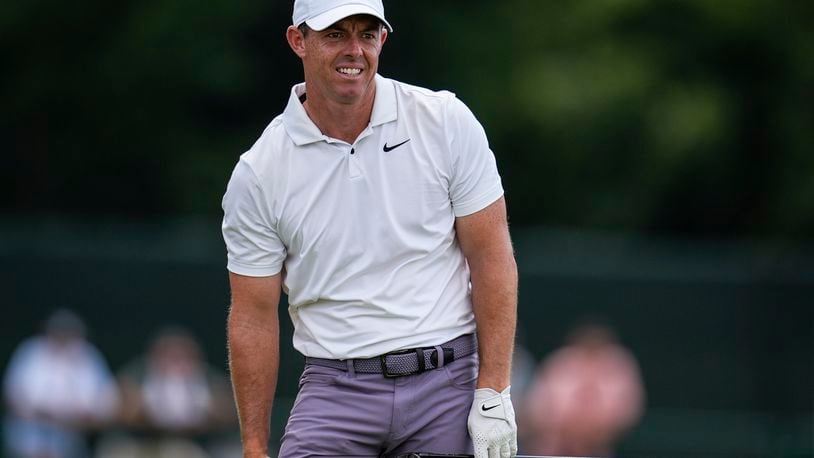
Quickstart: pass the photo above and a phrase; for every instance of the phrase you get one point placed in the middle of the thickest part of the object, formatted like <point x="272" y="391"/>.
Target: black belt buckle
<point x="449" y="356"/>
<point x="383" y="359"/>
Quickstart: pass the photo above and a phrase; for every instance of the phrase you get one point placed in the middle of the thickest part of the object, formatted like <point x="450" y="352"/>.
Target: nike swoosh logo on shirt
<point x="391" y="148"/>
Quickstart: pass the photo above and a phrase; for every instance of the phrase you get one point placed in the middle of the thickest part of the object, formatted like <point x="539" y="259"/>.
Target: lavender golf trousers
<point x="346" y="414"/>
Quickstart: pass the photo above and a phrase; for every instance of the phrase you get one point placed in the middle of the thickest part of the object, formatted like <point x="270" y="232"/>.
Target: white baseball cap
<point x="319" y="14"/>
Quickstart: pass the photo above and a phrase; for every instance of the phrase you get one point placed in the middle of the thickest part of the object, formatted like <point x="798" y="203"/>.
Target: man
<point x="378" y="208"/>
<point x="58" y="389"/>
<point x="595" y="370"/>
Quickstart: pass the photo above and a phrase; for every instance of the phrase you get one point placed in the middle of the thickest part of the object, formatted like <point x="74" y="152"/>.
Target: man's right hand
<point x="254" y="356"/>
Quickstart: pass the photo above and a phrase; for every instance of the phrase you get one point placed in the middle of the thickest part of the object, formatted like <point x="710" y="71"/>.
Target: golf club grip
<point x="432" y="455"/>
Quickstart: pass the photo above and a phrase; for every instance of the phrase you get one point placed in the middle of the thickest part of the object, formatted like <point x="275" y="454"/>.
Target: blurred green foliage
<point x="689" y="117"/>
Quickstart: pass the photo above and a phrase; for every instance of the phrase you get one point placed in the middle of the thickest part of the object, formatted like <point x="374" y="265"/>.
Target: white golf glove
<point x="491" y="424"/>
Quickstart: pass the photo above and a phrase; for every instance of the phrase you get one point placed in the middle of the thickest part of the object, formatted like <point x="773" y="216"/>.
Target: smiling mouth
<point x="349" y="71"/>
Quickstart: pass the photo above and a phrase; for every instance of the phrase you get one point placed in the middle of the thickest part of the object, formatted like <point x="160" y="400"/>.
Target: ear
<point x="384" y="35"/>
<point x="296" y="40"/>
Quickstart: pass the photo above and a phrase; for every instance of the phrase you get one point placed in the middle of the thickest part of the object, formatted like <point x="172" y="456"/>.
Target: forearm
<point x="494" y="302"/>
<point x="253" y="362"/>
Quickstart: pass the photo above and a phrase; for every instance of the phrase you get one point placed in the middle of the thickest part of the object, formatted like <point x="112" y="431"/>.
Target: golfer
<point x="378" y="208"/>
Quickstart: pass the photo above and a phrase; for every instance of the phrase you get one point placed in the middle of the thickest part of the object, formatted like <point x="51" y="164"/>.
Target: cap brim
<point x="330" y="17"/>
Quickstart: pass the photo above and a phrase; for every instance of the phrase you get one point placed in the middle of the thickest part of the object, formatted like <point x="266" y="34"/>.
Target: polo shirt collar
<point x="303" y="131"/>
<point x="384" y="106"/>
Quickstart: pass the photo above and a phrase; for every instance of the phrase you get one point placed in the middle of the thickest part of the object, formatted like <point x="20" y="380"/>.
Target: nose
<point x="354" y="47"/>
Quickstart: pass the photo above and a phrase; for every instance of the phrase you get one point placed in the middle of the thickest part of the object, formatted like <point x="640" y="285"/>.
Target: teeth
<point x="350" y="71"/>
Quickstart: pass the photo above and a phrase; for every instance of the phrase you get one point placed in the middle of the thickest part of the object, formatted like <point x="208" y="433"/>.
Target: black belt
<point x="406" y="362"/>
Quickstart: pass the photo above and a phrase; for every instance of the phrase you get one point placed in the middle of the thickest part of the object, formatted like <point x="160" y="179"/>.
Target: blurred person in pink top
<point x="585" y="396"/>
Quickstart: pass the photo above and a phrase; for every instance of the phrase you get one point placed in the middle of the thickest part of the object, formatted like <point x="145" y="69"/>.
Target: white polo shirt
<point x="364" y="231"/>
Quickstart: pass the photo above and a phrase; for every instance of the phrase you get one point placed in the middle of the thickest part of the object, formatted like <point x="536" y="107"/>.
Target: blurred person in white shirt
<point x="172" y="399"/>
<point x="58" y="387"/>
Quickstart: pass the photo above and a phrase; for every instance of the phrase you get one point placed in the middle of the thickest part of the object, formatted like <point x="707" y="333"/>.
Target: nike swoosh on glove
<point x="492" y="425"/>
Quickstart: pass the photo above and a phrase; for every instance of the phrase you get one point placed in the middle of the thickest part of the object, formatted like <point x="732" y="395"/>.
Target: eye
<point x="368" y="35"/>
<point x="334" y="35"/>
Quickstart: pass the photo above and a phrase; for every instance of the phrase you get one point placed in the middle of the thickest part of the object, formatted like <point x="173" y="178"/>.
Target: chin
<point x="351" y="96"/>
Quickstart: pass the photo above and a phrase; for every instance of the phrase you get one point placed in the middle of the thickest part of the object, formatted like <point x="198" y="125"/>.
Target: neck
<point x="343" y="121"/>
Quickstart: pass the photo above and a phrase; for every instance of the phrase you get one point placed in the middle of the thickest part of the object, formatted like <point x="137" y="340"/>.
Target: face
<point x="341" y="61"/>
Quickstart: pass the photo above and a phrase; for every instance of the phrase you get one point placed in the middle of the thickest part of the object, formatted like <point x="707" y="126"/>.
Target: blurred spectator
<point x="172" y="401"/>
<point x="522" y="377"/>
<point x="58" y="387"/>
<point x="585" y="397"/>
<point x="523" y="368"/>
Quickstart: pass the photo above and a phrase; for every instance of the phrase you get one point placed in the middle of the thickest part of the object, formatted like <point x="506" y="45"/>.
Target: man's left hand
<point x="492" y="425"/>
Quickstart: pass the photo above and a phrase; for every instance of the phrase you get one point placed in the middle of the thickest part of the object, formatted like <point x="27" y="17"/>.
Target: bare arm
<point x="484" y="239"/>
<point x="254" y="356"/>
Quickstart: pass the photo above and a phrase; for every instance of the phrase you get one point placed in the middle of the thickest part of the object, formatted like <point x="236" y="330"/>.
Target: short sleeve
<point x="475" y="181"/>
<point x="253" y="246"/>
